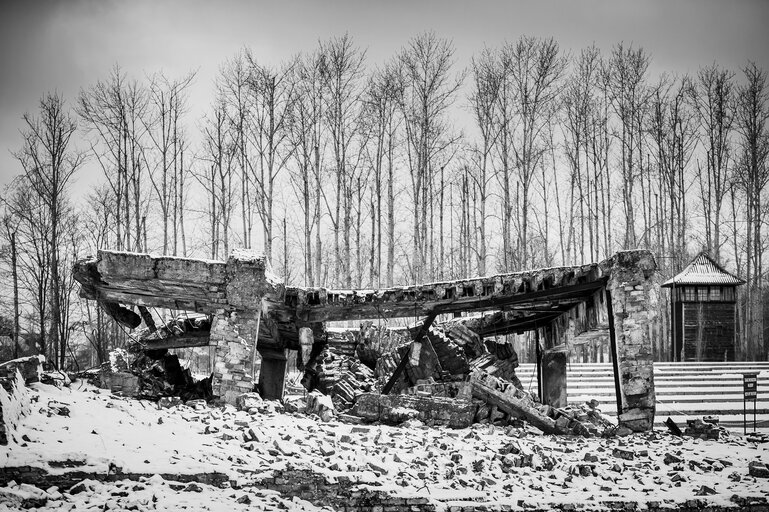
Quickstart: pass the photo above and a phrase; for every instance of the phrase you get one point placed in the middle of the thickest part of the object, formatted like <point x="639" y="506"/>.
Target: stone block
<point x="121" y="383"/>
<point x="389" y="409"/>
<point x="31" y="368"/>
<point x="758" y="469"/>
<point x="247" y="401"/>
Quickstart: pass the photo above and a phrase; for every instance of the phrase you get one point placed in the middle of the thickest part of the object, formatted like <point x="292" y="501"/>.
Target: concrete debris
<point x="395" y="409"/>
<point x="30" y="368"/>
<point x="468" y="340"/>
<point x="501" y="368"/>
<point x="269" y="454"/>
<point x="248" y="401"/>
<point x="450" y="378"/>
<point x="758" y="469"/>
<point x="33" y="369"/>
<point x="705" y="428"/>
<point x="374" y="342"/>
<point x="167" y="402"/>
<point x="150" y="375"/>
<point x="320" y="404"/>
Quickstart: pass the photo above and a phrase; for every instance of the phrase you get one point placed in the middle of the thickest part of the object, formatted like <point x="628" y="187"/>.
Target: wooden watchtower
<point x="703" y="311"/>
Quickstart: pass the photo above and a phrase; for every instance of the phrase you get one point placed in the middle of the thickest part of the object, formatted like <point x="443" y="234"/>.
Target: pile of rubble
<point x="32" y="369"/>
<point x="705" y="428"/>
<point x="149" y="375"/>
<point x="450" y="376"/>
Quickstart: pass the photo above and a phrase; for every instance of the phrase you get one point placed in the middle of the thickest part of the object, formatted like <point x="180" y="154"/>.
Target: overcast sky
<point x="66" y="45"/>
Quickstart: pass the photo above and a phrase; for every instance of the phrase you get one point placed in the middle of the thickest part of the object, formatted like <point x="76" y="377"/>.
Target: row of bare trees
<point x="348" y="175"/>
<point x="41" y="226"/>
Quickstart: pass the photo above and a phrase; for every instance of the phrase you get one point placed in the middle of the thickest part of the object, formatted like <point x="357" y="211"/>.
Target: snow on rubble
<point x="497" y="467"/>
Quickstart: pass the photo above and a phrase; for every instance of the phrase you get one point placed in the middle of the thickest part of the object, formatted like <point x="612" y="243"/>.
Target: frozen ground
<point x="484" y="464"/>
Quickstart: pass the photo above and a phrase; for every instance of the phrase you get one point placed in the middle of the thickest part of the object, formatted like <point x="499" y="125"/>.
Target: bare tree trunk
<point x="15" y="277"/>
<point x="390" y="214"/>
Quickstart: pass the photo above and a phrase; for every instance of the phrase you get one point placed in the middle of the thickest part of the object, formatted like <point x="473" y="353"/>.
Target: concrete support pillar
<point x="633" y="289"/>
<point x="235" y="332"/>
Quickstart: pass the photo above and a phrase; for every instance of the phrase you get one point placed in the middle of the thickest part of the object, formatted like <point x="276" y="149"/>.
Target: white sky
<point x="66" y="45"/>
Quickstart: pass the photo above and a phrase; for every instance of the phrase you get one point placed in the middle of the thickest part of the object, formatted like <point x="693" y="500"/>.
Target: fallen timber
<point x="251" y="310"/>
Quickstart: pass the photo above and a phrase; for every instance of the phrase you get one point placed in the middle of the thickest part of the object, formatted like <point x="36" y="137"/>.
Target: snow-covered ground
<point x="482" y="464"/>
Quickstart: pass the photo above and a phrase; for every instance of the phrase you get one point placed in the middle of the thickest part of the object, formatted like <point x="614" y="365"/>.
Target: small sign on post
<point x="750" y="393"/>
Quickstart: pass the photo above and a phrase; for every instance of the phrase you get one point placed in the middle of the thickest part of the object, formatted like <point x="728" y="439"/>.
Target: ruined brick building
<point x="253" y="312"/>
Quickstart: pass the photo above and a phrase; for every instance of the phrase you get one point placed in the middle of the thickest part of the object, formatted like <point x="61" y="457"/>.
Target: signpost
<point x="750" y="390"/>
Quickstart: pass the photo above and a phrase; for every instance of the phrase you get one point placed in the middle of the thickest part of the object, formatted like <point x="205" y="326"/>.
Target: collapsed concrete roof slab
<point x="206" y="286"/>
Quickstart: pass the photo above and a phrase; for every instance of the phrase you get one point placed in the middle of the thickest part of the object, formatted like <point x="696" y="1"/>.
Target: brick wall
<point x="340" y="493"/>
<point x="634" y="288"/>
<point x="233" y="335"/>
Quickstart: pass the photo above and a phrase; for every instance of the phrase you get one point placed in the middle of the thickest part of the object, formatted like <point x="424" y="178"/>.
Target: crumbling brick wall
<point x="234" y="336"/>
<point x="634" y="289"/>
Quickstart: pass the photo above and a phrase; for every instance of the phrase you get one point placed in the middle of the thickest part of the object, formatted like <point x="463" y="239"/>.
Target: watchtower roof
<point x="703" y="270"/>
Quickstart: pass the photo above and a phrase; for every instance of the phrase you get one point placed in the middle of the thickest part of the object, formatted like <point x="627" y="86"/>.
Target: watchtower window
<point x="702" y="293"/>
<point x="715" y="293"/>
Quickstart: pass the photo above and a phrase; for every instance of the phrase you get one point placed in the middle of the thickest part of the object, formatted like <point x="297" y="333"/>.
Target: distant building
<point x="703" y="311"/>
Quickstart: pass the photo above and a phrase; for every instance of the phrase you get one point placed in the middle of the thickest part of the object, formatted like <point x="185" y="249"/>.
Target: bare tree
<point x="381" y="110"/>
<point x="217" y="163"/>
<point x="532" y="69"/>
<point x="272" y="96"/>
<point x="113" y="111"/>
<point x="167" y="102"/>
<point x="342" y="66"/>
<point x="752" y="113"/>
<point x="49" y="162"/>
<point x="429" y="90"/>
<point x="487" y="81"/>
<point x="578" y="105"/>
<point x="11" y="227"/>
<point x="712" y="93"/>
<point x="673" y="130"/>
<point x="306" y="136"/>
<point x="628" y="93"/>
<point x="235" y="82"/>
<point x="33" y="232"/>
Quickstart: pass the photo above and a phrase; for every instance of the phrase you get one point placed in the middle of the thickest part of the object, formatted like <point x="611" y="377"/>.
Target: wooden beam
<point x="527" y="323"/>
<point x="404" y="360"/>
